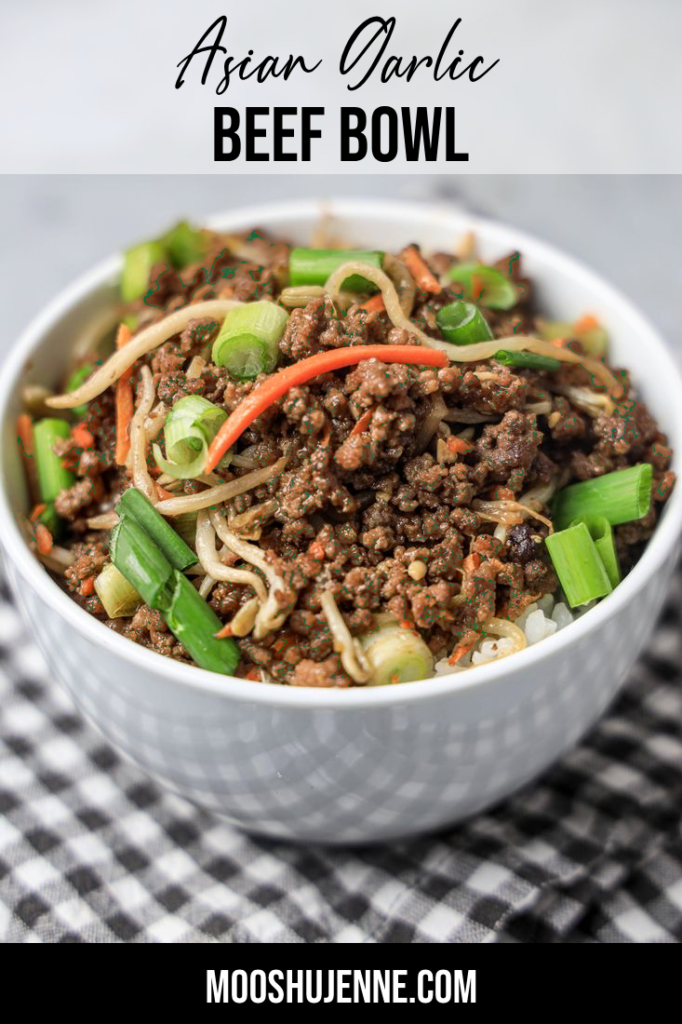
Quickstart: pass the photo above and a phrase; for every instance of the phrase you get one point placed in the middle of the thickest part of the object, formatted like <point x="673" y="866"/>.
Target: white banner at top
<point x="309" y="86"/>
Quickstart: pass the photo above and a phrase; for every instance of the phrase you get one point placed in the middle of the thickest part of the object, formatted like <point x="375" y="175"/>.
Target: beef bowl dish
<point x="342" y="526"/>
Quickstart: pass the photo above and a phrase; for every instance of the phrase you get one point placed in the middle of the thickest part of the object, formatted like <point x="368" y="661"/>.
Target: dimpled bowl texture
<point x="360" y="765"/>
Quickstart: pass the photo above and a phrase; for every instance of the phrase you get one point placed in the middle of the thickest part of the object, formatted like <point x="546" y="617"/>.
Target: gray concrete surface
<point x="55" y="227"/>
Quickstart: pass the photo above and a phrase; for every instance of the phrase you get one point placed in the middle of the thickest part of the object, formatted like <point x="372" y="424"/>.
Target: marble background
<point x="55" y="227"/>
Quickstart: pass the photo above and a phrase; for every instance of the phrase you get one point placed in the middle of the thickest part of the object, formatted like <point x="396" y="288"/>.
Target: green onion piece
<point x="120" y="599"/>
<point x="527" y="360"/>
<point x="315" y="266"/>
<point x="52" y="477"/>
<point x="462" y="323"/>
<point x="134" y="506"/>
<point x="131" y="321"/>
<point x="580" y="570"/>
<point x="190" y="427"/>
<point x="137" y="266"/>
<point x="49" y="518"/>
<point x="602" y="535"/>
<point x="75" y="381"/>
<point x="620" y="497"/>
<point x="248" y="343"/>
<point x="484" y="284"/>
<point x="146" y="568"/>
<point x="194" y="623"/>
<point x="396" y="654"/>
<point x="185" y="244"/>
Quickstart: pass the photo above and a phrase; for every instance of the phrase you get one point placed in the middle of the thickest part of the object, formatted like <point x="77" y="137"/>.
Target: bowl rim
<point x="658" y="550"/>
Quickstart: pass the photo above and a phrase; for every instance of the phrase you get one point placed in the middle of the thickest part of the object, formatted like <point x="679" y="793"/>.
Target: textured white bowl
<point x="358" y="765"/>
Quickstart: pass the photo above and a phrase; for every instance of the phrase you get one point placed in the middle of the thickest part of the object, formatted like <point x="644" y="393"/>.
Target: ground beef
<point x="372" y="505"/>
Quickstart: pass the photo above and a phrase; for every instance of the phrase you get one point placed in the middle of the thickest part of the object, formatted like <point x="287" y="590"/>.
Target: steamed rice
<point x="539" y="621"/>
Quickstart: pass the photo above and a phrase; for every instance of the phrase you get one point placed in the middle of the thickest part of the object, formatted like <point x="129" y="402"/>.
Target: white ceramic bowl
<point x="357" y="765"/>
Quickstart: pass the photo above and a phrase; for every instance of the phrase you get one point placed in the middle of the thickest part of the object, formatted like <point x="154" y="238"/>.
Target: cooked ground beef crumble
<point x="375" y="505"/>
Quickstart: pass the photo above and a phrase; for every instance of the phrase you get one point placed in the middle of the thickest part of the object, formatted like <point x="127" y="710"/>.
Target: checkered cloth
<point x="91" y="851"/>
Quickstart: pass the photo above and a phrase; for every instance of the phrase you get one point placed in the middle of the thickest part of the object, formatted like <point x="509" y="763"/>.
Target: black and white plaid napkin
<point x="91" y="851"/>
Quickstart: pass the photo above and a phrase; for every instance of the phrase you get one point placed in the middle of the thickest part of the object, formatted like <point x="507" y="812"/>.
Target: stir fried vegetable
<point x="190" y="427"/>
<point x="462" y="323"/>
<point x="137" y="266"/>
<point x="248" y="343"/>
<point x="601" y="533"/>
<point x="484" y="284"/>
<point x="315" y="266"/>
<point x="619" y="497"/>
<point x="52" y="476"/>
<point x="527" y="360"/>
<point x="134" y="506"/>
<point x="581" y="571"/>
<point x="120" y="599"/>
<point x="396" y="654"/>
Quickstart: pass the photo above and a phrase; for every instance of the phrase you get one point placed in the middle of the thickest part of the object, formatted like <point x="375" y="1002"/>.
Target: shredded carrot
<point x="362" y="423"/>
<point x="585" y="323"/>
<point x="406" y="624"/>
<point x="124" y="403"/>
<point x="82" y="436"/>
<point x="44" y="541"/>
<point x="25" y="433"/>
<point x="458" y="446"/>
<point x="462" y="649"/>
<point x="559" y="342"/>
<point x="37" y="512"/>
<point x="253" y="675"/>
<point x="277" y="385"/>
<point x="88" y="587"/>
<point x="374" y="305"/>
<point x="416" y="265"/>
<point x="225" y="631"/>
<point x="477" y="287"/>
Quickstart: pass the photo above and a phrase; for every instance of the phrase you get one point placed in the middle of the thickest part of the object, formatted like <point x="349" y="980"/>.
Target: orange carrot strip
<point x="88" y="587"/>
<point x="277" y="385"/>
<point x="163" y="493"/>
<point x="459" y="446"/>
<point x="25" y="433"/>
<point x="374" y="305"/>
<point x="124" y="403"/>
<point x="44" y="541"/>
<point x="37" y="512"/>
<point x="462" y="649"/>
<point x="82" y="436"/>
<point x="416" y="265"/>
<point x="588" y="322"/>
<point x="362" y="423"/>
<point x="225" y="631"/>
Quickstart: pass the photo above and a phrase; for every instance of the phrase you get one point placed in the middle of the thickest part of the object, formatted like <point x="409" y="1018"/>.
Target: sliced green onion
<point x="396" y="654"/>
<point x="602" y="535"/>
<point x="134" y="506"/>
<point x="194" y="623"/>
<point x="484" y="284"/>
<point x="120" y="599"/>
<point x="315" y="266"/>
<point x="137" y="266"/>
<point x="52" y="477"/>
<point x="248" y="343"/>
<point x="75" y="381"/>
<point x="190" y="427"/>
<point x="620" y="497"/>
<point x="146" y="568"/>
<point x="185" y="244"/>
<point x="577" y="563"/>
<point x="527" y="360"/>
<point x="462" y="323"/>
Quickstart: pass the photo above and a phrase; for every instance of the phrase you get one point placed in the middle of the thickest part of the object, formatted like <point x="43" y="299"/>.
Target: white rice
<point x="539" y="621"/>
